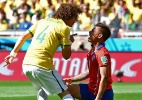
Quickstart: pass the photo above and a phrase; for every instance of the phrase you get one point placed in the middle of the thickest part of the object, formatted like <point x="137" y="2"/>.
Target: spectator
<point x="14" y="20"/>
<point x="21" y="9"/>
<point x="36" y="17"/>
<point x="24" y="7"/>
<point x="51" y="11"/>
<point x="127" y="22"/>
<point x="131" y="19"/>
<point x="115" y="22"/>
<point x="122" y="5"/>
<point x="24" y="24"/>
<point x="38" y="5"/>
<point x="3" y="5"/>
<point x="96" y="13"/>
<point x="81" y="2"/>
<point x="3" y="21"/>
<point x="86" y="18"/>
<point x="25" y="4"/>
<point x="57" y="3"/>
<point x="104" y="17"/>
<point x="137" y="4"/>
<point x="137" y="15"/>
<point x="9" y="10"/>
<point x="32" y="10"/>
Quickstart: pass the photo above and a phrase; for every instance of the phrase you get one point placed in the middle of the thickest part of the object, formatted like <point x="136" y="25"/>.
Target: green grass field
<point x="25" y="91"/>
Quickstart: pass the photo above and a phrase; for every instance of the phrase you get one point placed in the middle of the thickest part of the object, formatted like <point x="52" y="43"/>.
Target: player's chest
<point x="92" y="61"/>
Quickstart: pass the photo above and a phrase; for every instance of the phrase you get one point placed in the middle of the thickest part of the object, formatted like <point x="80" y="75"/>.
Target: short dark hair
<point x="105" y="30"/>
<point x="67" y="11"/>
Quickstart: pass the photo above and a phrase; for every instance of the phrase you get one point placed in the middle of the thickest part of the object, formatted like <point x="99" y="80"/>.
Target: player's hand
<point x="8" y="60"/>
<point x="68" y="81"/>
<point x="98" y="98"/>
<point x="72" y="37"/>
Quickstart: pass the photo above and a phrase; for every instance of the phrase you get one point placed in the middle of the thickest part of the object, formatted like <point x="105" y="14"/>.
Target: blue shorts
<point x="87" y="95"/>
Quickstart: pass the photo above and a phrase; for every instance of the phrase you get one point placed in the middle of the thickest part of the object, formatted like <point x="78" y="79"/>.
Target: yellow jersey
<point x="48" y="35"/>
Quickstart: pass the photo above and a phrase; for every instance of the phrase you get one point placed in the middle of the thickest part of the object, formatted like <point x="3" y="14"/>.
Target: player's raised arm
<point x="66" y="50"/>
<point x="18" y="45"/>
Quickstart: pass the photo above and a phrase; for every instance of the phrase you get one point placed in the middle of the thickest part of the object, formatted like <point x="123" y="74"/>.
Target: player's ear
<point x="100" y="35"/>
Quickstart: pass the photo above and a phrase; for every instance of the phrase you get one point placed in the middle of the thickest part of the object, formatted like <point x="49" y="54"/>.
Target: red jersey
<point x="97" y="59"/>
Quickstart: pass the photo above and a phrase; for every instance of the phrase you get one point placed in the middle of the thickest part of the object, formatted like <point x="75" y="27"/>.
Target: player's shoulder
<point x="46" y="19"/>
<point x="41" y="21"/>
<point x="65" y="29"/>
<point x="103" y="51"/>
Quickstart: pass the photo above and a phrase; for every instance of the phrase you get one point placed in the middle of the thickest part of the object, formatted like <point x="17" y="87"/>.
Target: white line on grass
<point x="18" y="95"/>
<point x="127" y="92"/>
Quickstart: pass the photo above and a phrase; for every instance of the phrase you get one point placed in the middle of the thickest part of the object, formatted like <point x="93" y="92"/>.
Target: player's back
<point x="47" y="34"/>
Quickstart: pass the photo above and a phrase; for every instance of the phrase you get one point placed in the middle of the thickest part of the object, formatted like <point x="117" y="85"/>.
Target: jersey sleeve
<point x="33" y="28"/>
<point x="65" y="36"/>
<point x="103" y="59"/>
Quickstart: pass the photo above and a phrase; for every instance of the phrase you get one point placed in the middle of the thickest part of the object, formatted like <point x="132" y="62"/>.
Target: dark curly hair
<point x="67" y="11"/>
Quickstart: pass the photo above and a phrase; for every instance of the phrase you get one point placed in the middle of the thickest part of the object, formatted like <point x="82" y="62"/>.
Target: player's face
<point x="93" y="34"/>
<point x="72" y="21"/>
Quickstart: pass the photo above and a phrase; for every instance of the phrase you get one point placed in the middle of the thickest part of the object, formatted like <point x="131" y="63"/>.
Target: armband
<point x="12" y="53"/>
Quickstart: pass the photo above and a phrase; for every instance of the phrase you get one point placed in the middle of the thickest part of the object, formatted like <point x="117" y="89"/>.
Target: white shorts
<point x="48" y="80"/>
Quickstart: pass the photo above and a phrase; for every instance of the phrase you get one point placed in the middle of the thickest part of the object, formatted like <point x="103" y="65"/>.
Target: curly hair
<point x="67" y="11"/>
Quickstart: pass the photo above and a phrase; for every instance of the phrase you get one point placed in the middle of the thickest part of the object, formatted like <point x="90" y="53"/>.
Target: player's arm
<point x="76" y="78"/>
<point x="103" y="81"/>
<point x="66" y="41"/>
<point x="84" y="75"/>
<point x="18" y="45"/>
<point x="27" y="35"/>
<point x="66" y="50"/>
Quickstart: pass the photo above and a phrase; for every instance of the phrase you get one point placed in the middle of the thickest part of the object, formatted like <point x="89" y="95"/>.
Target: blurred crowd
<point x="119" y="15"/>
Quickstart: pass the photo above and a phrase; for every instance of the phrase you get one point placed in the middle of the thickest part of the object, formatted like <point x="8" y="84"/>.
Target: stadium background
<point x="124" y="45"/>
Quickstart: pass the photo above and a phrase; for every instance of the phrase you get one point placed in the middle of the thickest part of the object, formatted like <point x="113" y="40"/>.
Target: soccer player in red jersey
<point x="99" y="69"/>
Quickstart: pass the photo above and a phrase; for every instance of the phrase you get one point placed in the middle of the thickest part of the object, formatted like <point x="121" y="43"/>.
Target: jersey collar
<point x="100" y="46"/>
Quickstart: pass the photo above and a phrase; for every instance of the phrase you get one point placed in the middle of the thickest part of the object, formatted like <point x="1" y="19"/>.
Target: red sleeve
<point x="103" y="59"/>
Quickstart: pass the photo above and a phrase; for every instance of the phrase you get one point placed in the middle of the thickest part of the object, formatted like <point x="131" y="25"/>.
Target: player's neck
<point x="96" y="46"/>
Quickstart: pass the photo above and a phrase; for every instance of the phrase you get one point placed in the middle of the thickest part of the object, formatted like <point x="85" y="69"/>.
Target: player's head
<point x="100" y="33"/>
<point x="104" y="29"/>
<point x="68" y="13"/>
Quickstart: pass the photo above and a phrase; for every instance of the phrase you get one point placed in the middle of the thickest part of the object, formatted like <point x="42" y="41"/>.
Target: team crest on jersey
<point x="104" y="59"/>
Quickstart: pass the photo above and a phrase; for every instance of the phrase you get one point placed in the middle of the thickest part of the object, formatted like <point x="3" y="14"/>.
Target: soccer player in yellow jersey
<point x="47" y="35"/>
